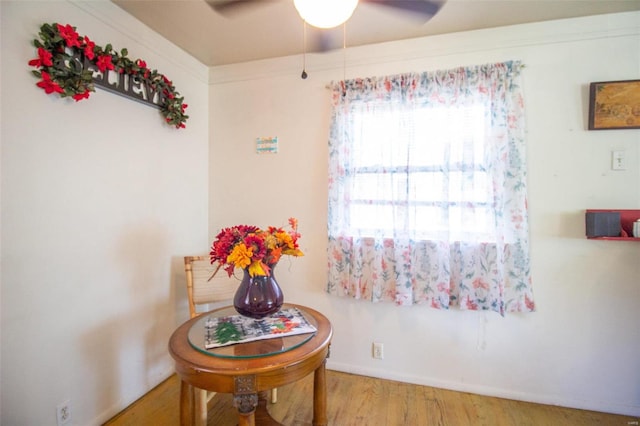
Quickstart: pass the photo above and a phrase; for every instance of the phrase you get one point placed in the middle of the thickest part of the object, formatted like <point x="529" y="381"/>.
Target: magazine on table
<point x="229" y="330"/>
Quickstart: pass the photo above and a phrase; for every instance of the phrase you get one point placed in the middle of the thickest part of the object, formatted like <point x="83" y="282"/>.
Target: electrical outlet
<point x="63" y="413"/>
<point x="378" y="350"/>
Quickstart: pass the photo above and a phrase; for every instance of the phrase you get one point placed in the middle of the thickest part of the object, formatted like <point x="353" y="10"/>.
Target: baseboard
<point x="121" y="406"/>
<point x="622" y="409"/>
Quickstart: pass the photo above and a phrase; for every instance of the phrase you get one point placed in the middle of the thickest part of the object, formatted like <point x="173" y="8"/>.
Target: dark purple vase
<point x="258" y="296"/>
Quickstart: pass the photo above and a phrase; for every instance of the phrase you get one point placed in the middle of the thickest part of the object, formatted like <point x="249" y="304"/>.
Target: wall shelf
<point x="627" y="217"/>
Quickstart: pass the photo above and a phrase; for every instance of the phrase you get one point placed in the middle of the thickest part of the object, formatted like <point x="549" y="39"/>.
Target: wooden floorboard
<point x="361" y="401"/>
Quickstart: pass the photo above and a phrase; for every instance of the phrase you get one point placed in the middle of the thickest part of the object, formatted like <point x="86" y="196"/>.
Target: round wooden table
<point x="252" y="368"/>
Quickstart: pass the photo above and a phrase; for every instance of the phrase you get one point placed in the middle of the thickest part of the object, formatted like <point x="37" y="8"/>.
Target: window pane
<point x="427" y="187"/>
<point x="421" y="173"/>
<point x="371" y="219"/>
<point x="469" y="187"/>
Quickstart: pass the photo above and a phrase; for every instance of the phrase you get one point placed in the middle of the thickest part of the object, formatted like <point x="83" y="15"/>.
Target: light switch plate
<point x="618" y="161"/>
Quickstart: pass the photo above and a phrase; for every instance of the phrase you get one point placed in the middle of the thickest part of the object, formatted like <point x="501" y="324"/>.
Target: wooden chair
<point x="201" y="290"/>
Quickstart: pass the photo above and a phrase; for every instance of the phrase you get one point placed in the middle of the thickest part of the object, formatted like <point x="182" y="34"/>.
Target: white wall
<point x="100" y="201"/>
<point x="581" y="348"/>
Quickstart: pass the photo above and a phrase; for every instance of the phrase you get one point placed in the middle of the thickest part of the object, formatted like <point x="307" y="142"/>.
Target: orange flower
<point x="257" y="268"/>
<point x="240" y="256"/>
<point x="254" y="249"/>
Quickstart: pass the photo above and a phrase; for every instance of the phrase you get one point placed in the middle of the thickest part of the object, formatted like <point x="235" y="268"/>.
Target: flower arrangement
<point x="249" y="247"/>
<point x="60" y="73"/>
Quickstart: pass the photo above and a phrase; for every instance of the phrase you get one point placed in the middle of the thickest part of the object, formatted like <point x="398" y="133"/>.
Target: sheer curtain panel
<point x="427" y="190"/>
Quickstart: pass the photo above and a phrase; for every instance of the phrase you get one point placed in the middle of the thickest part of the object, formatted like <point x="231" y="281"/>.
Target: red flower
<point x="81" y="96"/>
<point x="168" y="94"/>
<point x="44" y="58"/>
<point x="141" y="63"/>
<point x="257" y="243"/>
<point x="48" y="85"/>
<point x="104" y="63"/>
<point x="69" y="34"/>
<point x="88" y="48"/>
<point x="184" y="106"/>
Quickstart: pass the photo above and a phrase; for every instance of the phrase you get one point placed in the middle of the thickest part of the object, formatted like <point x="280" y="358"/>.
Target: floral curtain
<point x="427" y="190"/>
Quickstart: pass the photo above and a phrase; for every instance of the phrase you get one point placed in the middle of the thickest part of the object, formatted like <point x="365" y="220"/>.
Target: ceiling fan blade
<point x="425" y="9"/>
<point x="323" y="40"/>
<point x="231" y="7"/>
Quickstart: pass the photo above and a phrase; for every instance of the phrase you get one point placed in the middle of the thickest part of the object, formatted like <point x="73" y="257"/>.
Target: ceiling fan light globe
<point x="325" y="13"/>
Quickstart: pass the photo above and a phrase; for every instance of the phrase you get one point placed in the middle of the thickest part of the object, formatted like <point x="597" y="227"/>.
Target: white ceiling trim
<point x="538" y="33"/>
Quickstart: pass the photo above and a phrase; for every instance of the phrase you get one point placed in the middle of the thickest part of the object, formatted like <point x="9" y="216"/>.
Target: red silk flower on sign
<point x="43" y="59"/>
<point x="48" y="85"/>
<point x="104" y="63"/>
<point x="89" y="48"/>
<point x="69" y="34"/>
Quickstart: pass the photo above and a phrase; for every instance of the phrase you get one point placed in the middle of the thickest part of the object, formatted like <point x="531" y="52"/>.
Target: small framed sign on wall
<point x="614" y="105"/>
<point x="267" y="145"/>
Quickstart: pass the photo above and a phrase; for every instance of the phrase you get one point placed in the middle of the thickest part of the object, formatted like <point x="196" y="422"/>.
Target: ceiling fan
<point x="326" y="14"/>
<point x="331" y="13"/>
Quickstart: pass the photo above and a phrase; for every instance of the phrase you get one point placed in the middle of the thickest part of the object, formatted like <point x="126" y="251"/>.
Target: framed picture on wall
<point x="614" y="105"/>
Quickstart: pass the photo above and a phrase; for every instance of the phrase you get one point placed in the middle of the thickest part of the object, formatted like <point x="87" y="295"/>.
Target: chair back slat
<point x="201" y="289"/>
<point x="220" y="287"/>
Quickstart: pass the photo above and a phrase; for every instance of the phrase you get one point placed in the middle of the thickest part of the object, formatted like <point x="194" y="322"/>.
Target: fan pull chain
<point x="344" y="51"/>
<point x="344" y="60"/>
<point x="304" y="50"/>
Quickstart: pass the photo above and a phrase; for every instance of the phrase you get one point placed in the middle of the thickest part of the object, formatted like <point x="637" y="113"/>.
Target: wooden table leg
<point x="186" y="404"/>
<point x="199" y="407"/>
<point x="246" y="405"/>
<point x="252" y="409"/>
<point x="245" y="399"/>
<point x="247" y="419"/>
<point x="320" y="395"/>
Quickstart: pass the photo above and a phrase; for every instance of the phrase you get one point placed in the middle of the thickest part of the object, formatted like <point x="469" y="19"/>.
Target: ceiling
<point x="272" y="28"/>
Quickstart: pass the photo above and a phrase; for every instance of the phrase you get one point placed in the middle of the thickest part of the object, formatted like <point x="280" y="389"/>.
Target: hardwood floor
<point x="365" y="401"/>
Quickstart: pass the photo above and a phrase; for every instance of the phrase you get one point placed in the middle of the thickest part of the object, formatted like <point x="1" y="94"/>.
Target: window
<point x="427" y="190"/>
<point x="427" y="178"/>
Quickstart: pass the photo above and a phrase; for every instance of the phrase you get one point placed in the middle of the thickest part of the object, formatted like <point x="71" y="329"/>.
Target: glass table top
<point x="200" y="336"/>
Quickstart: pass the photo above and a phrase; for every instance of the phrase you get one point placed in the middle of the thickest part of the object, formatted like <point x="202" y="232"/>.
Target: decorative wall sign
<point x="614" y="105"/>
<point x="267" y="145"/>
<point x="72" y="65"/>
